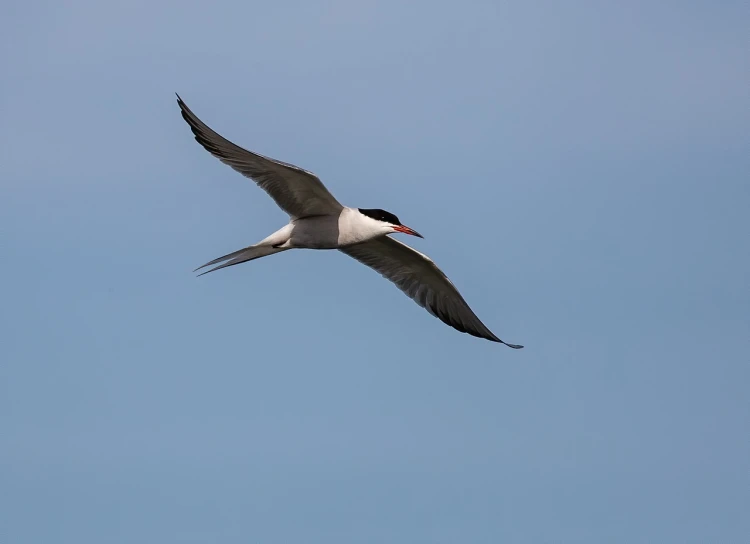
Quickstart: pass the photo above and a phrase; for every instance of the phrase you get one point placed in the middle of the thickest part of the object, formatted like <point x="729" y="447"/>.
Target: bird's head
<point x="390" y="222"/>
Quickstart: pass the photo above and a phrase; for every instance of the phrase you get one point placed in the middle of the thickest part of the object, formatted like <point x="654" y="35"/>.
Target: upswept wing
<point x="296" y="191"/>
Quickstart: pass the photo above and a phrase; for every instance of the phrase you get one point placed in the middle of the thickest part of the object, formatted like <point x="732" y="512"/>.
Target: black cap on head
<point x="380" y="215"/>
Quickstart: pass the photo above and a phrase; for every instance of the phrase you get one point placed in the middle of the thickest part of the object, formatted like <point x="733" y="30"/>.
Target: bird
<point x="318" y="221"/>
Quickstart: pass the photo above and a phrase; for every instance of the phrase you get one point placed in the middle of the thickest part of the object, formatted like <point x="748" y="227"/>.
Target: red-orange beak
<point x="407" y="230"/>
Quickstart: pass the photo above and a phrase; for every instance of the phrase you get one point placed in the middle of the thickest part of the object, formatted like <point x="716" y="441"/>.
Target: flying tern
<point x="318" y="221"/>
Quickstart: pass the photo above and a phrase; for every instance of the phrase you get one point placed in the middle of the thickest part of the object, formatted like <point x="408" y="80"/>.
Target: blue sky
<point x="580" y="170"/>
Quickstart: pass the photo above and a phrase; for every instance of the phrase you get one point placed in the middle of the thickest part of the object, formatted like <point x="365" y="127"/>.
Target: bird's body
<point x="319" y="221"/>
<point x="332" y="231"/>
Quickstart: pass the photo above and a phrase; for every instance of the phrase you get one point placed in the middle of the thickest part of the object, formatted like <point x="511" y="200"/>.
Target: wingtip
<point x="181" y="103"/>
<point x="494" y="338"/>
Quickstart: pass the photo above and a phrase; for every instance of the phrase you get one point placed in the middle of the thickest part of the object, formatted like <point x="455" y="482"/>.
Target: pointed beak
<point x="407" y="230"/>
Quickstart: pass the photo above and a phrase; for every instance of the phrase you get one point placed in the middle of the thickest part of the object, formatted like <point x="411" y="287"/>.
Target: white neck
<point x="355" y="227"/>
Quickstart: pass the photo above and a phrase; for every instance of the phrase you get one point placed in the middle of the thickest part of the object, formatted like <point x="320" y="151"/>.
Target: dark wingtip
<point x="494" y="338"/>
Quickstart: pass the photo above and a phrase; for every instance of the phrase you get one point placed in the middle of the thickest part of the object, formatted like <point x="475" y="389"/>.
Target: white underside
<point x="327" y="231"/>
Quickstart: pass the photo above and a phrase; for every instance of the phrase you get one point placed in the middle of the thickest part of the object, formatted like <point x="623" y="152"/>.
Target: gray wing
<point x="296" y="191"/>
<point x="422" y="281"/>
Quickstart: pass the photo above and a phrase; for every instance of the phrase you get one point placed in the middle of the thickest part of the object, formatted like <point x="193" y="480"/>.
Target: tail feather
<point x="224" y="258"/>
<point x="241" y="256"/>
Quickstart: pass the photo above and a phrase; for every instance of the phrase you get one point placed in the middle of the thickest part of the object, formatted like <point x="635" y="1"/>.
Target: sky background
<point x="579" y="169"/>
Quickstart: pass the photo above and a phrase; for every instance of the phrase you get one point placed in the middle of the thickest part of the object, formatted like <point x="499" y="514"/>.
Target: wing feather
<point x="296" y="191"/>
<point x="422" y="281"/>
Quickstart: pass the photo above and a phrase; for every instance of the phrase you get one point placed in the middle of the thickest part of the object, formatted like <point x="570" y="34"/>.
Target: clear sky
<point x="579" y="169"/>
